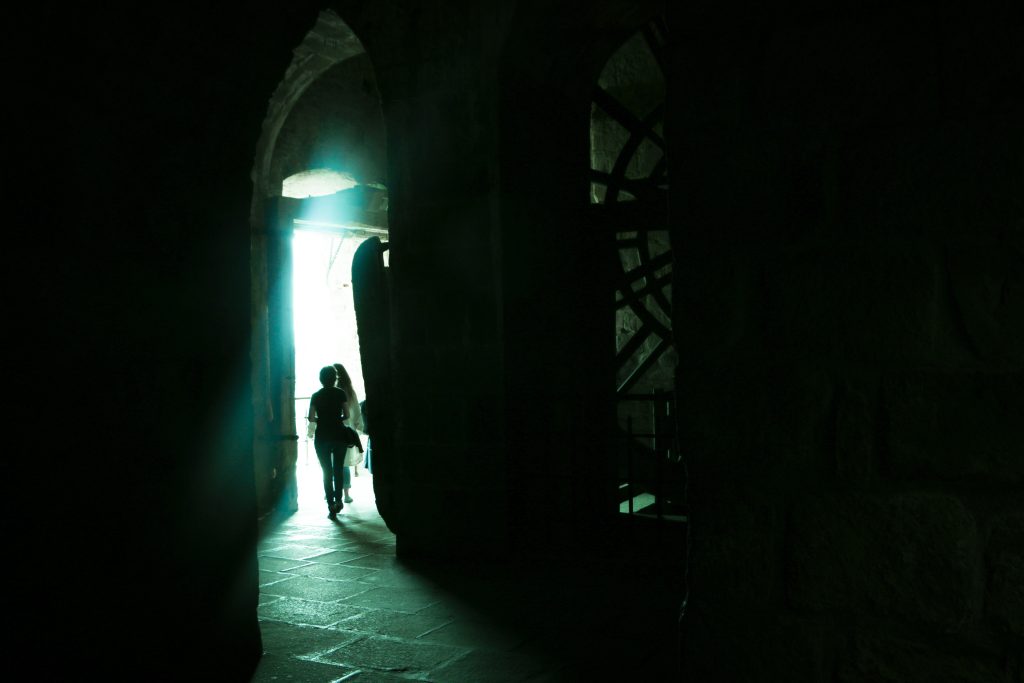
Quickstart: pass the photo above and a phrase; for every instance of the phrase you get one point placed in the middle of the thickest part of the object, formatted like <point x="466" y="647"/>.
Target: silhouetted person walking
<point x="354" y="420"/>
<point x="327" y="411"/>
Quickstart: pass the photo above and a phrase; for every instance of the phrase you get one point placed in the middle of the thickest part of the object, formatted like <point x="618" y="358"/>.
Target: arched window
<point x="629" y="188"/>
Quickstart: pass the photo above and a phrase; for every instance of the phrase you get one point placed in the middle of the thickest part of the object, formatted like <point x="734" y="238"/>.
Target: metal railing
<point x="653" y="472"/>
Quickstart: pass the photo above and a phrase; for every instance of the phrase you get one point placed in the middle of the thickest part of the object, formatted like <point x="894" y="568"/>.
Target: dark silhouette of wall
<point x="138" y="131"/>
<point x="849" y="318"/>
<point x="847" y="213"/>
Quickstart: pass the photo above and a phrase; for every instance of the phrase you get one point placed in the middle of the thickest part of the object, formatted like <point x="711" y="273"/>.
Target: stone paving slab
<point x="295" y="552"/>
<point x="397" y="599"/>
<point x="375" y="561"/>
<point x="267" y="599"/>
<point x="305" y="536"/>
<point x="307" y="642"/>
<point x="283" y="668"/>
<point x="277" y="564"/>
<point x="380" y="677"/>
<point x="382" y="548"/>
<point x="312" y="588"/>
<point x="474" y="633"/>
<point x="364" y="544"/>
<point x="339" y="556"/>
<point x="395" y="624"/>
<point x="270" y="578"/>
<point x="449" y="610"/>
<point x="398" y="576"/>
<point x="333" y="572"/>
<point x="311" y="612"/>
<point x="493" y="667"/>
<point x="391" y="655"/>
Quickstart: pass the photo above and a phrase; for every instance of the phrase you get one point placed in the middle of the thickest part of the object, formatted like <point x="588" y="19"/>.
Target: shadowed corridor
<point x="336" y="604"/>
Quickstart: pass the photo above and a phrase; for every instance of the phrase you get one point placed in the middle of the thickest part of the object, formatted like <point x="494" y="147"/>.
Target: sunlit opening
<point x="317" y="183"/>
<point x="325" y="325"/>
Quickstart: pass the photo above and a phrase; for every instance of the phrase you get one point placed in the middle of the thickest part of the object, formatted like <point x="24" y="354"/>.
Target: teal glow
<point x="316" y="182"/>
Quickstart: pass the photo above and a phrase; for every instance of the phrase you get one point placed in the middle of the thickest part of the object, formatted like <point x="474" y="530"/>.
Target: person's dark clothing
<point x="328" y="406"/>
<point x="331" y="455"/>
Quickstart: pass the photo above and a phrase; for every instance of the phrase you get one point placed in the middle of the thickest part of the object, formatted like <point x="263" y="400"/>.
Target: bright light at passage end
<point x="316" y="183"/>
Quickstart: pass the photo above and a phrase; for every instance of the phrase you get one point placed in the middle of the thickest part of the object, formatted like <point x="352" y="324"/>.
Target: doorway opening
<point x="319" y="174"/>
<point x="324" y="333"/>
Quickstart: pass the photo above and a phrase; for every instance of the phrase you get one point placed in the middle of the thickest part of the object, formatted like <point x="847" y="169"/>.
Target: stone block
<point x="912" y="556"/>
<point x="855" y="430"/>
<point x="804" y="649"/>
<point x="1006" y="592"/>
<point x="880" y="659"/>
<point x="888" y="179"/>
<point x="987" y="175"/>
<point x="988" y="291"/>
<point x="794" y="419"/>
<point x="712" y="301"/>
<point x="1006" y="534"/>
<point x="744" y="422"/>
<point x="955" y="426"/>
<point x="736" y="550"/>
<point x="1005" y="554"/>
<point x="722" y="645"/>
<point x="818" y="302"/>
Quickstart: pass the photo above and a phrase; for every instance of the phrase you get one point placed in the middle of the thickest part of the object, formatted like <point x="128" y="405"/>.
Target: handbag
<point x="350" y="438"/>
<point x="353" y="457"/>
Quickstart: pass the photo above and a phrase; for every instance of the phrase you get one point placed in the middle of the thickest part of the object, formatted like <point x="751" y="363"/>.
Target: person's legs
<point x="340" y="473"/>
<point x="346" y="484"/>
<point x="323" y="454"/>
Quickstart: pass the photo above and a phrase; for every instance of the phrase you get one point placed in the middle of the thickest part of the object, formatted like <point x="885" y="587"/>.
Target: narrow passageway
<point x="336" y="604"/>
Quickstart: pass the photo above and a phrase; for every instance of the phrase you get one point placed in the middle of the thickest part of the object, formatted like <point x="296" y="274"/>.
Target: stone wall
<point x="338" y="124"/>
<point x="847" y="222"/>
<point x="140" y="553"/>
<point x="436" y="73"/>
<point x="851" y="272"/>
<point x="558" y="271"/>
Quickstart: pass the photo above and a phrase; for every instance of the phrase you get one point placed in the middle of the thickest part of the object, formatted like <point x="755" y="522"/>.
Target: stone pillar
<point x="850" y="291"/>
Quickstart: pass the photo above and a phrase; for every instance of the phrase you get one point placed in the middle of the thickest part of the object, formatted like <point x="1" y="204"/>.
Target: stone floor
<point x="336" y="604"/>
